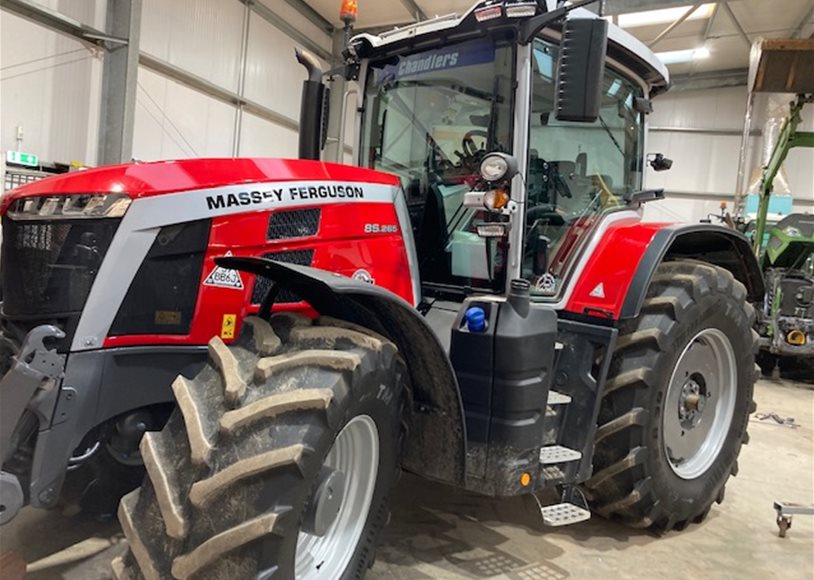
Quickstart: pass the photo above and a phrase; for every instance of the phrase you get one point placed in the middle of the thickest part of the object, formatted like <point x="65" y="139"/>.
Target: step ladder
<point x="573" y="507"/>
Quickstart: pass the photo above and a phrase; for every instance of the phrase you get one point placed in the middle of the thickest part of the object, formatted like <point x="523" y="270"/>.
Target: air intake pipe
<point x="312" y="114"/>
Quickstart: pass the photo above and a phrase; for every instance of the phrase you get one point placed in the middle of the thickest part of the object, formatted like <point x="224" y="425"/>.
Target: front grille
<point x="47" y="267"/>
<point x="263" y="285"/>
<point x="298" y="223"/>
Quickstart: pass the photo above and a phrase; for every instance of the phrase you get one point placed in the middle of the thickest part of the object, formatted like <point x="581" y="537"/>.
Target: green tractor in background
<point x="786" y="321"/>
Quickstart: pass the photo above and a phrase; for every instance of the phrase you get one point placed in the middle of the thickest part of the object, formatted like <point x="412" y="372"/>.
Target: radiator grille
<point x="49" y="267"/>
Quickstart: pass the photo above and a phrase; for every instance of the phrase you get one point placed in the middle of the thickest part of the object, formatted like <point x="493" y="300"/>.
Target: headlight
<point x="74" y="206"/>
<point x="497" y="166"/>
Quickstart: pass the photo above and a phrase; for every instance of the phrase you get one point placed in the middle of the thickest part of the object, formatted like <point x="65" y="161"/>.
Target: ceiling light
<point x="679" y="56"/>
<point x="663" y="16"/>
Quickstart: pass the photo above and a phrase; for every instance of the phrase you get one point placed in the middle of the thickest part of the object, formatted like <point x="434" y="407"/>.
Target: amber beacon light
<point x="347" y="13"/>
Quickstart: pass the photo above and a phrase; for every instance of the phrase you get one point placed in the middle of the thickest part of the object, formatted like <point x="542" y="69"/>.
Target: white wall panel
<point x="173" y="121"/>
<point x="300" y="22"/>
<point x="706" y="163"/>
<point x="261" y="138"/>
<point x="273" y="76"/>
<point x="200" y="36"/>
<point x="50" y="85"/>
<point x="90" y="12"/>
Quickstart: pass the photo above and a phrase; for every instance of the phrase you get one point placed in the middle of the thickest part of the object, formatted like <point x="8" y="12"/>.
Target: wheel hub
<point x="692" y="401"/>
<point x="336" y="514"/>
<point x="325" y="505"/>
<point x="700" y="403"/>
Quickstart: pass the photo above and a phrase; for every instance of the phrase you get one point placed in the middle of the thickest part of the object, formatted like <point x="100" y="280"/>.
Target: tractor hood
<point x="791" y="240"/>
<point x="138" y="180"/>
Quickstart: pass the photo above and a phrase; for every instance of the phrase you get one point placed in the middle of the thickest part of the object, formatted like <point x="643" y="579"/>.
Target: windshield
<point x="429" y="118"/>
<point x="577" y="171"/>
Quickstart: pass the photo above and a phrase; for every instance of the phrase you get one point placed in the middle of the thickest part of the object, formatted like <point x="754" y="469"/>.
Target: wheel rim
<point x="700" y="403"/>
<point x="355" y="453"/>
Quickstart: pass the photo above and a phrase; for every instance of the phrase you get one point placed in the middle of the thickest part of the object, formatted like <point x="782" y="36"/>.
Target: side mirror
<point x="659" y="162"/>
<point x="581" y="69"/>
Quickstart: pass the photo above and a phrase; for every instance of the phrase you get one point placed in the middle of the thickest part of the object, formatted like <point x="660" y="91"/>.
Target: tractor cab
<point x="435" y="100"/>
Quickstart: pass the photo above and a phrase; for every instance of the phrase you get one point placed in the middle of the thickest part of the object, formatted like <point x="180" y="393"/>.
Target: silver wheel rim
<point x="356" y="454"/>
<point x="700" y="404"/>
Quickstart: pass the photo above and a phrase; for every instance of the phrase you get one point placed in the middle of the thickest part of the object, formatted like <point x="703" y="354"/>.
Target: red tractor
<point x="478" y="302"/>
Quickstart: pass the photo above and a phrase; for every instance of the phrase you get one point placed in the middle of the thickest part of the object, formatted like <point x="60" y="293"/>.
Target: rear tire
<point x="663" y="453"/>
<point x="234" y="476"/>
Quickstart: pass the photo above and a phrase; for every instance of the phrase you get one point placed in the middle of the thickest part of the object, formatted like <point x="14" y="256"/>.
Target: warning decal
<point x="227" y="328"/>
<point x="223" y="278"/>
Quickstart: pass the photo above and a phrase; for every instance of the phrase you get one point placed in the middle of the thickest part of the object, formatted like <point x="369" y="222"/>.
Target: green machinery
<point x="784" y="246"/>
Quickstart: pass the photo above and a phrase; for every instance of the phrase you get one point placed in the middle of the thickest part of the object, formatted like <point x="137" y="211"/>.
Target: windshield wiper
<point x="610" y="134"/>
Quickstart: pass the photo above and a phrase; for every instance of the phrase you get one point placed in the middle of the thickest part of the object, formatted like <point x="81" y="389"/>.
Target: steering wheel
<point x="471" y="149"/>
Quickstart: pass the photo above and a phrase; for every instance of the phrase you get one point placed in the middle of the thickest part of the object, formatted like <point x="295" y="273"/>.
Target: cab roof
<point x="622" y="46"/>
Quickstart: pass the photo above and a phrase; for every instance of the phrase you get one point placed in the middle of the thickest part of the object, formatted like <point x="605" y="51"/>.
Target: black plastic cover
<point x="162" y="297"/>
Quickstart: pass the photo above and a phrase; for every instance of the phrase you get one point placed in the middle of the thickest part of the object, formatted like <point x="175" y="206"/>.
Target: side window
<point x="577" y="171"/>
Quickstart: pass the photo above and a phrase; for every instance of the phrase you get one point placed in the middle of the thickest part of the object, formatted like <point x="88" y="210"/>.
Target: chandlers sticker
<point x="280" y="195"/>
<point x="223" y="278"/>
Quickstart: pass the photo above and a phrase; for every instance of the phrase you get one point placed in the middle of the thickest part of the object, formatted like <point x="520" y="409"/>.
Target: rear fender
<point x="716" y="245"/>
<point x="436" y="442"/>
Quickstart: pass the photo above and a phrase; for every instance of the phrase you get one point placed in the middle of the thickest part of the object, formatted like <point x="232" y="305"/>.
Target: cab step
<point x="555" y="398"/>
<point x="564" y="514"/>
<point x="551" y="454"/>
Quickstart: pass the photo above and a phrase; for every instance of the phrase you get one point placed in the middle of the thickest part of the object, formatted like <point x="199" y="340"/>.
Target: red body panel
<point x="147" y="179"/>
<point x="341" y="245"/>
<point x="612" y="265"/>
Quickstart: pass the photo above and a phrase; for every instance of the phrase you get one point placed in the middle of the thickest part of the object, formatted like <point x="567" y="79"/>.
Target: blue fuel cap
<point x="475" y="319"/>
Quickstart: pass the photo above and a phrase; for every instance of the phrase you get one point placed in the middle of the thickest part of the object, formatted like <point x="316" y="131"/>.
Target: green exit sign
<point x="19" y="158"/>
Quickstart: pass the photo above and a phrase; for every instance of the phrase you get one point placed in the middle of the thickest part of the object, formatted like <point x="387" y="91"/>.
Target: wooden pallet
<point x="782" y="66"/>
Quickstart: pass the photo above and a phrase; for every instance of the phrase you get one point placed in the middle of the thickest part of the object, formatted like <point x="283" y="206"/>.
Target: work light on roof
<point x="521" y="9"/>
<point x="489" y="13"/>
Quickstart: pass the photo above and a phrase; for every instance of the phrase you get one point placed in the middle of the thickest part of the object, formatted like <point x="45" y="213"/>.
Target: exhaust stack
<point x="312" y="106"/>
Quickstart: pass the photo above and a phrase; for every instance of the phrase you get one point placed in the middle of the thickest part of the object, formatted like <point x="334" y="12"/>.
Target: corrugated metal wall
<point x="51" y="84"/>
<point x="51" y="88"/>
<point x="205" y="38"/>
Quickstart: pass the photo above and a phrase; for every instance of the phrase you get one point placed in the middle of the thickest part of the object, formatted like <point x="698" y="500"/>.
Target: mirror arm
<point x="533" y="26"/>
<point x="639" y="197"/>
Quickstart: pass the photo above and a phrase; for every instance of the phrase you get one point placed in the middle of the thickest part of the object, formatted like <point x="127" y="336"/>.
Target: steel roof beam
<point x="737" y="24"/>
<point x="289" y="30"/>
<point x="315" y="17"/>
<point x="664" y="33"/>
<point x="57" y="21"/>
<point x="615" y="7"/>
<point x="414" y="9"/>
<point x="798" y="32"/>
<point x="710" y="80"/>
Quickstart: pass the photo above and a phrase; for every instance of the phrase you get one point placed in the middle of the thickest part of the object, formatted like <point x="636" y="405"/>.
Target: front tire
<point x="677" y="400"/>
<point x="278" y="462"/>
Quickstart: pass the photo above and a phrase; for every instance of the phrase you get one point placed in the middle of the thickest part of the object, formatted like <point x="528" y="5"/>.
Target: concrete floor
<point x="440" y="532"/>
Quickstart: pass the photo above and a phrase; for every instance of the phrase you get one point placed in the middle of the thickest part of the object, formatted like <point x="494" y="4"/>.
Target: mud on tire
<point x="633" y="480"/>
<point x="230" y="477"/>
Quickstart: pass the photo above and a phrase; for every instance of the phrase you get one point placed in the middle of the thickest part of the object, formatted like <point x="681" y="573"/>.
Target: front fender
<point x="436" y="442"/>
<point x="716" y="245"/>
